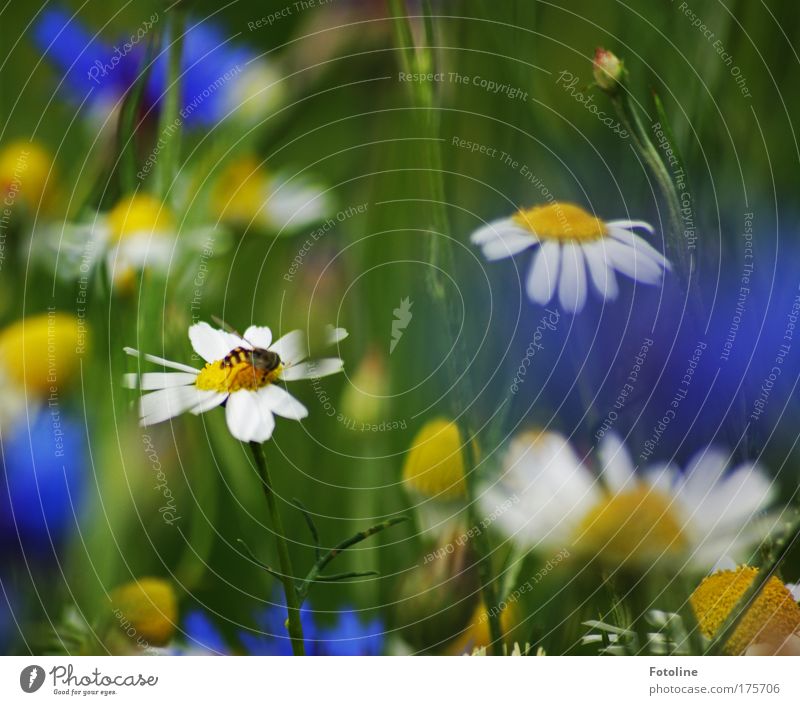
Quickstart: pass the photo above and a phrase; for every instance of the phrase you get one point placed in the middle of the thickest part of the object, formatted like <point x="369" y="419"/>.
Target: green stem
<point x="170" y="122"/>
<point x="440" y="256"/>
<point x="285" y="561"/>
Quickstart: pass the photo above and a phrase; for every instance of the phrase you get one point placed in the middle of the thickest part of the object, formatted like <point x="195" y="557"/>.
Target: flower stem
<point x="170" y="121"/>
<point x="440" y="255"/>
<point x="285" y="561"/>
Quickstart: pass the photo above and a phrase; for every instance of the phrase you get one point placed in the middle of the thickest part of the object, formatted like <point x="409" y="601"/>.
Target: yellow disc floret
<point x="139" y="214"/>
<point x="25" y="168"/>
<point x="40" y="353"/>
<point x="635" y="527"/>
<point x="561" y="221"/>
<point x="771" y="619"/>
<point x="234" y="372"/>
<point x="241" y="191"/>
<point x="434" y="465"/>
<point x="146" y="609"/>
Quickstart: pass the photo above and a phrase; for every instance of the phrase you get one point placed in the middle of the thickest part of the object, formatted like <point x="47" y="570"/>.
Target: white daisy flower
<point x="691" y="519"/>
<point x="139" y="232"/>
<point x="241" y="372"/>
<point x="571" y="241"/>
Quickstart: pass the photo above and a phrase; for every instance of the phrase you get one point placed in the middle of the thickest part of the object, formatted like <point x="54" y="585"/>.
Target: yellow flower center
<point x="25" y="168"/>
<point x="434" y="466"/>
<point x="149" y="607"/>
<point x="561" y="221"/>
<point x="234" y="372"/>
<point x="477" y="635"/>
<point x="139" y="214"/>
<point x="241" y="191"/>
<point x="42" y="352"/>
<point x="632" y="528"/>
<point x="772" y="618"/>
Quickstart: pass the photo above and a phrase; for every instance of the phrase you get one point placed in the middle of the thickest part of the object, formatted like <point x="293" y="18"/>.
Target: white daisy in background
<point x="246" y="194"/>
<point x="624" y="518"/>
<point x="571" y="241"/>
<point x="241" y="372"/>
<point x="138" y="233"/>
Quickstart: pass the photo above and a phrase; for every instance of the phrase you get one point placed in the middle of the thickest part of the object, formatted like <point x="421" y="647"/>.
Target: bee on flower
<point x="139" y="233"/>
<point x="573" y="247"/>
<point x="242" y="372"/>
<point x="625" y="518"/>
<point x="247" y="194"/>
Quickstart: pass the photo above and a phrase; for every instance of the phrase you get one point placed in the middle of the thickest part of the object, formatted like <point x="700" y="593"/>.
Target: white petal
<point x="640" y="244"/>
<point x="313" y="369"/>
<point x="258" y="336"/>
<point x="725" y="563"/>
<point x="334" y="335"/>
<point x="572" y="279"/>
<point x="491" y="231"/>
<point x="661" y="477"/>
<point x="292" y="347"/>
<point x="161" y="361"/>
<point x="507" y="244"/>
<point x="630" y="224"/>
<point x="158" y="380"/>
<point x="211" y="402"/>
<point x="632" y="263"/>
<point x="603" y="277"/>
<point x="164" y="404"/>
<point x="543" y="276"/>
<point x="617" y="466"/>
<point x="248" y="420"/>
<point x="794" y="588"/>
<point x="280" y="402"/>
<point x="295" y="204"/>
<point x="704" y="470"/>
<point x="211" y="343"/>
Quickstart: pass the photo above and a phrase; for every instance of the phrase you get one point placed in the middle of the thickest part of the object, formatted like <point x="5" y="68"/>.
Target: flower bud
<point x="147" y="610"/>
<point x="42" y="351"/>
<point x="608" y="70"/>
<point x="434" y="465"/>
<point x="25" y="169"/>
<point x="364" y="400"/>
<point x="772" y="621"/>
<point x="437" y="597"/>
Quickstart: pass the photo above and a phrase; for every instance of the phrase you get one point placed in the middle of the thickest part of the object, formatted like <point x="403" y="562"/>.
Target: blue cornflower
<point x="41" y="486"/>
<point x="217" y="76"/>
<point x="202" y="634"/>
